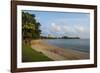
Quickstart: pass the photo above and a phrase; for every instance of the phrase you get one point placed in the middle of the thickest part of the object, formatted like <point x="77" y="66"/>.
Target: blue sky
<point x="58" y="24"/>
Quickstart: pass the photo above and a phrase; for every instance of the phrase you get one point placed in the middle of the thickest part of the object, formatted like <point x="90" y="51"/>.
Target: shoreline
<point x="56" y="53"/>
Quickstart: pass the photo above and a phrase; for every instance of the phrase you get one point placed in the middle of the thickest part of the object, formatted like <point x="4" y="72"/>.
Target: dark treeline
<point x="30" y="27"/>
<point x="64" y="37"/>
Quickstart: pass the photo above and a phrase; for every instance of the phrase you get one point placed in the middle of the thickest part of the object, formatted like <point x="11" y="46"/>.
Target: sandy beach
<point x="56" y="53"/>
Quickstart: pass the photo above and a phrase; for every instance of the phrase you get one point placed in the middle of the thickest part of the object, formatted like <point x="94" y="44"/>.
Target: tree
<point x="30" y="27"/>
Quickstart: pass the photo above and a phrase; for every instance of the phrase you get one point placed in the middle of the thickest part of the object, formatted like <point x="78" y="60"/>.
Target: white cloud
<point x="55" y="27"/>
<point x="80" y="29"/>
<point x="65" y="28"/>
<point x="60" y="29"/>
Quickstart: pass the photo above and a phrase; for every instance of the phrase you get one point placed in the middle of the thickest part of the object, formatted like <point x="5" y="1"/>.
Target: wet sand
<point x="56" y="53"/>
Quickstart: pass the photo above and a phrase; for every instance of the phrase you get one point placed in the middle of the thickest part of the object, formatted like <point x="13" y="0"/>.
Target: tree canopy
<point x="30" y="27"/>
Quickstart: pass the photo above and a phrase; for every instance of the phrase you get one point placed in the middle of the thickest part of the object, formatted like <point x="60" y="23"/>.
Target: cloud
<point x="55" y="27"/>
<point x="80" y="29"/>
<point x="60" y="29"/>
<point x="66" y="28"/>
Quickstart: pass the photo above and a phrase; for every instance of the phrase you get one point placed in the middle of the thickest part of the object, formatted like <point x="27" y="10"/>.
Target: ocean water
<point x="82" y="45"/>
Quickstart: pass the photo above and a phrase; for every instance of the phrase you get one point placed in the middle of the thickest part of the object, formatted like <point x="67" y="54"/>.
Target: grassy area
<point x="30" y="55"/>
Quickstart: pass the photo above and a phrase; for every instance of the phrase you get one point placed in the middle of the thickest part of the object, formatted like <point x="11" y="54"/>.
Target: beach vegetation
<point x="30" y="55"/>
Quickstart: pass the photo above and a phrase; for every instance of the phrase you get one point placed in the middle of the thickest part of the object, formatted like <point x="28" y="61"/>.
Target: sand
<point x="56" y="53"/>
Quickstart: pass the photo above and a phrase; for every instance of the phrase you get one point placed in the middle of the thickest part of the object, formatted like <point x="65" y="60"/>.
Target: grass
<point x="30" y="55"/>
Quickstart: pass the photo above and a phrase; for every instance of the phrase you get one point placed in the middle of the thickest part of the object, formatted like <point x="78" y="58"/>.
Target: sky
<point x="58" y="24"/>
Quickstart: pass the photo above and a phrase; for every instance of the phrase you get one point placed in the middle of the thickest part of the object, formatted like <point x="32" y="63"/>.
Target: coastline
<point x="56" y="53"/>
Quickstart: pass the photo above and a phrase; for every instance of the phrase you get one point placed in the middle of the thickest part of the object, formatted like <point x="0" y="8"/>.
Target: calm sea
<point x="82" y="45"/>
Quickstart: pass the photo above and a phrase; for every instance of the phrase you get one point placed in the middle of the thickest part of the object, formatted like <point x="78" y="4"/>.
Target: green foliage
<point x="30" y="55"/>
<point x="30" y="27"/>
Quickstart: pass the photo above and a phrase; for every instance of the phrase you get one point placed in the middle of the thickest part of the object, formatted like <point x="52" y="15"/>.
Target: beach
<point x="56" y="53"/>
